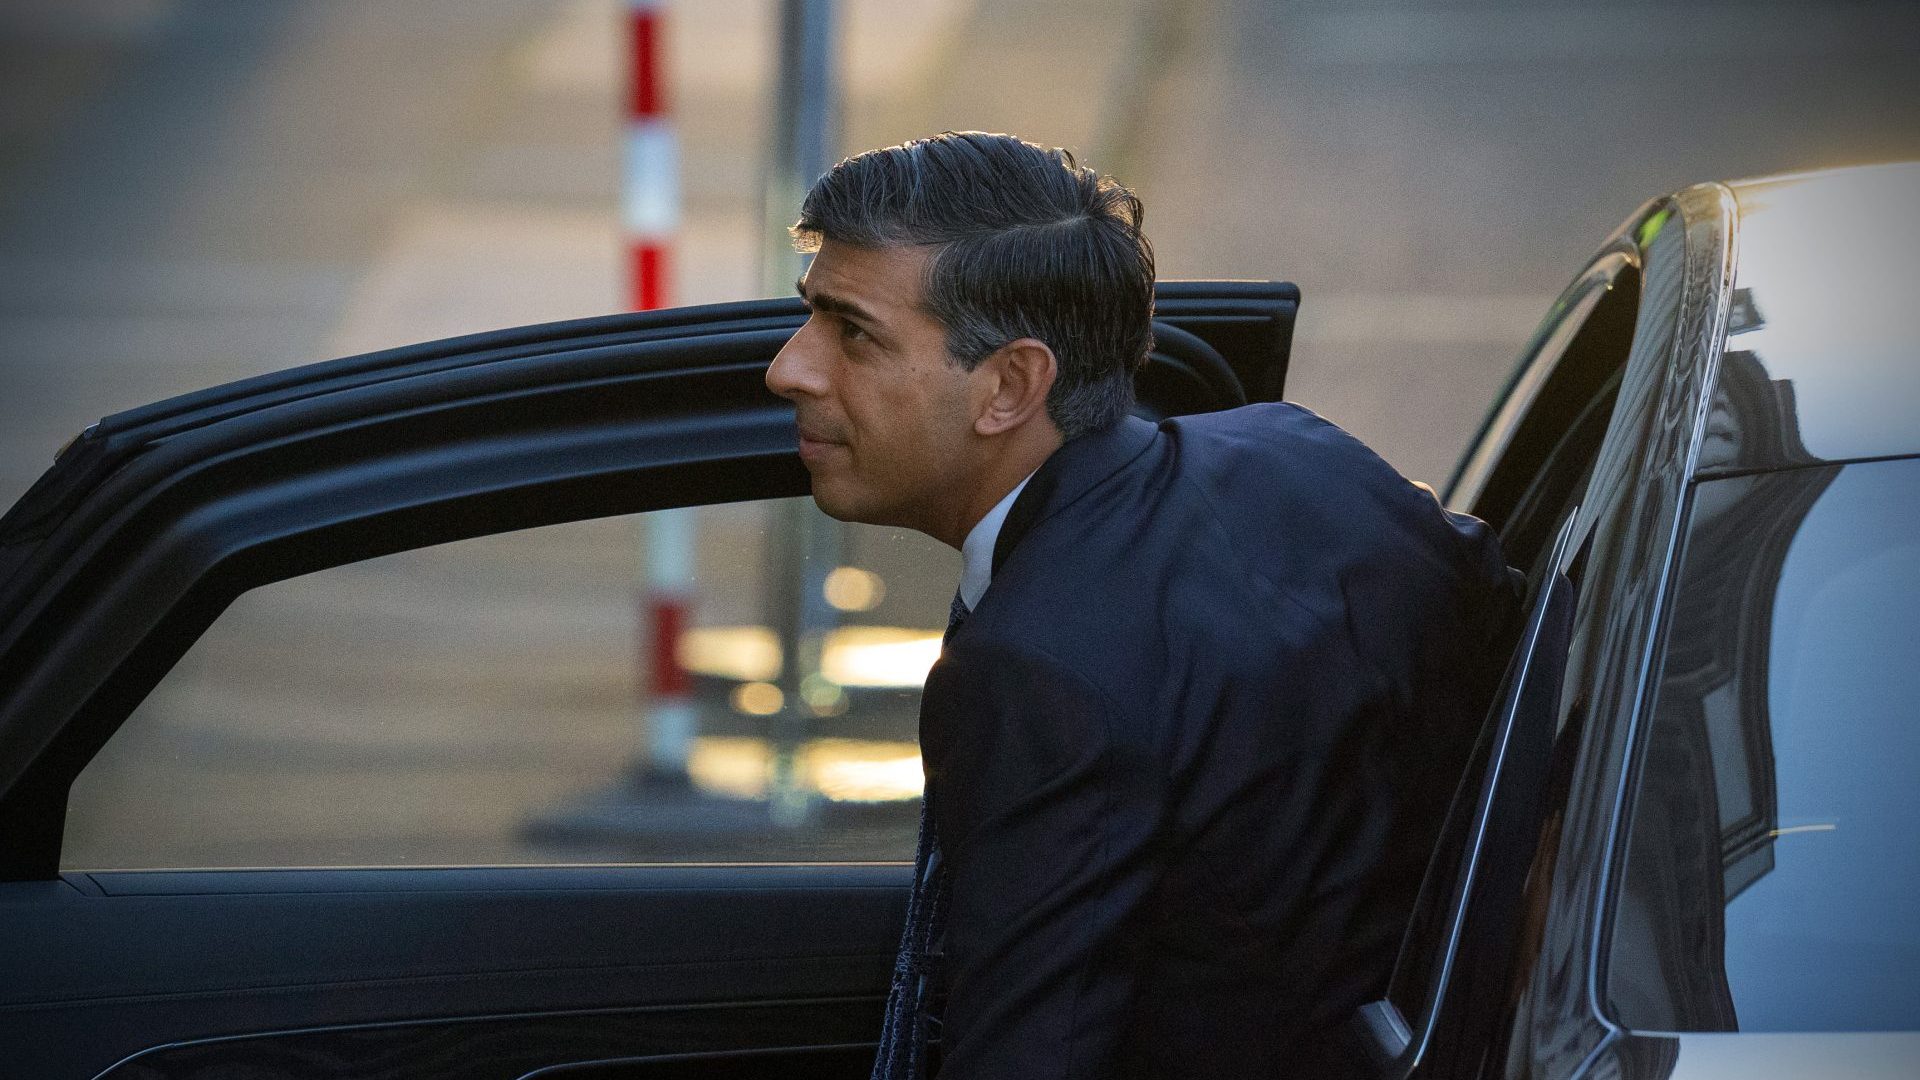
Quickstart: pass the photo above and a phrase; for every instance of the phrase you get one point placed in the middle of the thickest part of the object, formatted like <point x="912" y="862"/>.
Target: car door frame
<point x="1456" y="947"/>
<point x="155" y="520"/>
<point x="1554" y="1020"/>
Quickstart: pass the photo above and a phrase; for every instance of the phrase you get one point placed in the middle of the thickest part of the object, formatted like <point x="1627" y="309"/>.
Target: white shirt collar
<point x="976" y="551"/>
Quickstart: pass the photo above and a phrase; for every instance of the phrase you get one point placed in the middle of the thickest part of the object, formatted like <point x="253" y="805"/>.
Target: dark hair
<point x="1031" y="245"/>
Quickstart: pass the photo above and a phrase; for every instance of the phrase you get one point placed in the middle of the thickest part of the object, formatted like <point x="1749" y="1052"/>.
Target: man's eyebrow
<point x="831" y="304"/>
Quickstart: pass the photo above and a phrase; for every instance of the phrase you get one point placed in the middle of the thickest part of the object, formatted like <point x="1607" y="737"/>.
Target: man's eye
<point x="851" y="331"/>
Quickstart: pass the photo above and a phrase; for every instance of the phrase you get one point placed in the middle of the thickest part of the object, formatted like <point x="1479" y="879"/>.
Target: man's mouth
<point x="813" y="444"/>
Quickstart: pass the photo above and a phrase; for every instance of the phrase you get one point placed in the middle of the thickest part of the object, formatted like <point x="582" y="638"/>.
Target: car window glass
<point x="1545" y="430"/>
<point x="1772" y="880"/>
<point x="607" y="690"/>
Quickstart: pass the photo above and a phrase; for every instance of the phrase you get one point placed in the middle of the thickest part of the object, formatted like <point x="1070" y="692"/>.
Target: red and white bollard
<point x="650" y="201"/>
<point x="666" y="606"/>
<point x="650" y="209"/>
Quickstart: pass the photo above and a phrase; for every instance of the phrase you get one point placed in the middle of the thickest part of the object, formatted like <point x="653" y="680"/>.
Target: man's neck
<point x="976" y="552"/>
<point x="1007" y="471"/>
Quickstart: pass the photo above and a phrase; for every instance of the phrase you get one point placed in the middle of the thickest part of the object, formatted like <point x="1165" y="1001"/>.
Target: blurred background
<point x="193" y="191"/>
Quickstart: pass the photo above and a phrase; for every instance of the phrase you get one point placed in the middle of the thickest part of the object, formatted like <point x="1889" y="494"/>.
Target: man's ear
<point x="1020" y="373"/>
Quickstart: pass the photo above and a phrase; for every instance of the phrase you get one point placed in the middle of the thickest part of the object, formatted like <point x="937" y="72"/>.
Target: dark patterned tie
<point x="909" y="1031"/>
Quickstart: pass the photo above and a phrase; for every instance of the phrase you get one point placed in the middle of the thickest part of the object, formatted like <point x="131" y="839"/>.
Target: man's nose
<point x="793" y="371"/>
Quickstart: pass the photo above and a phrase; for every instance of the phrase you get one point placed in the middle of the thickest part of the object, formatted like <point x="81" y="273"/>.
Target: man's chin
<point x="834" y="504"/>
<point x="846" y="506"/>
<point x="834" y="511"/>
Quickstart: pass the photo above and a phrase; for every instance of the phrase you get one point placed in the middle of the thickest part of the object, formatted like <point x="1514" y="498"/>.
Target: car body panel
<point x="1773" y="341"/>
<point x="1459" y="943"/>
<point x="1769" y="875"/>
<point x="1627" y="523"/>
<point x="536" y="965"/>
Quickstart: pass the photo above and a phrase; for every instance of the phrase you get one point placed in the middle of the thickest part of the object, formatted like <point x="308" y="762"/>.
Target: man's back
<point x="1189" y="751"/>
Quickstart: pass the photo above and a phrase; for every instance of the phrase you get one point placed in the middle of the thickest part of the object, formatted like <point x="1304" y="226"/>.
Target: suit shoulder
<point x="1277" y="461"/>
<point x="1298" y="492"/>
<point x="1276" y="432"/>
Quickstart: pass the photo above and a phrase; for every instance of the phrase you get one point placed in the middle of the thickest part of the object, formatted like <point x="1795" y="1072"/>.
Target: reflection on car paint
<point x="1773" y="878"/>
<point x="1630" y="509"/>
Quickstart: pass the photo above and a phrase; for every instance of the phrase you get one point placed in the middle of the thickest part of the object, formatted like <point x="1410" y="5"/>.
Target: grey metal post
<point x="807" y="543"/>
<point x="806" y="131"/>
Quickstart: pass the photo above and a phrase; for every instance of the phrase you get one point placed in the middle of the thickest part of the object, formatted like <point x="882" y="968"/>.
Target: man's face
<point x="885" y="420"/>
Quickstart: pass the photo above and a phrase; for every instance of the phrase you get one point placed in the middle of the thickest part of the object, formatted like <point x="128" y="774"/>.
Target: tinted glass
<point x="1772" y="880"/>
<point x="739" y="682"/>
<point x="1538" y="438"/>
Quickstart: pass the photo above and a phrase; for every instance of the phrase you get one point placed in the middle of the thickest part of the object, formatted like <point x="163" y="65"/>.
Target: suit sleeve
<point x="1046" y="817"/>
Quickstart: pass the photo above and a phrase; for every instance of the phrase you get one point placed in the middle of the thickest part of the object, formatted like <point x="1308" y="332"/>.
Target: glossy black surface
<point x="635" y="1044"/>
<point x="1628" y="519"/>
<point x="96" y="967"/>
<point x="1708" y="391"/>
<point x="1773" y="876"/>
<point x="1444" y="1002"/>
<point x="1577" y="351"/>
<point x="1809" y="360"/>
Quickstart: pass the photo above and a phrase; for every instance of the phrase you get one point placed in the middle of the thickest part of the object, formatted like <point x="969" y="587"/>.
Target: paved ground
<point x="198" y="190"/>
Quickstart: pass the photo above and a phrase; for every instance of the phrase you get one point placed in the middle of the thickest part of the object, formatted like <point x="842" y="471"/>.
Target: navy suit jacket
<point x="1191" y="750"/>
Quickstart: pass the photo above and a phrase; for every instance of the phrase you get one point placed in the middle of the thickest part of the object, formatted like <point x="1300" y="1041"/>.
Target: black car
<point x="1692" y="813"/>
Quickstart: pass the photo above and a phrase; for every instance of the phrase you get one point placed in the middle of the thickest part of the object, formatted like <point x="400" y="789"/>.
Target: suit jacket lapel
<point x="1071" y="472"/>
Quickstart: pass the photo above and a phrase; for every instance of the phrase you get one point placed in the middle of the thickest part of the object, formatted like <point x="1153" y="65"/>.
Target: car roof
<point x="1822" y="357"/>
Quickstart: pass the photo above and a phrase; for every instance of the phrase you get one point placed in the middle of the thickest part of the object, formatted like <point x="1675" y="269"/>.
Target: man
<point x="1210" y="682"/>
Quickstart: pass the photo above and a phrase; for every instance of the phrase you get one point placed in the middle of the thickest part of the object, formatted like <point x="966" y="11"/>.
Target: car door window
<point x="1772" y="875"/>
<point x="154" y="521"/>
<point x="501" y="699"/>
<point x="1535" y="449"/>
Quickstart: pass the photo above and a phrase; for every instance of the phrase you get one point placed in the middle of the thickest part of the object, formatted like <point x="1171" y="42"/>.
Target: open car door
<point x="157" y="526"/>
